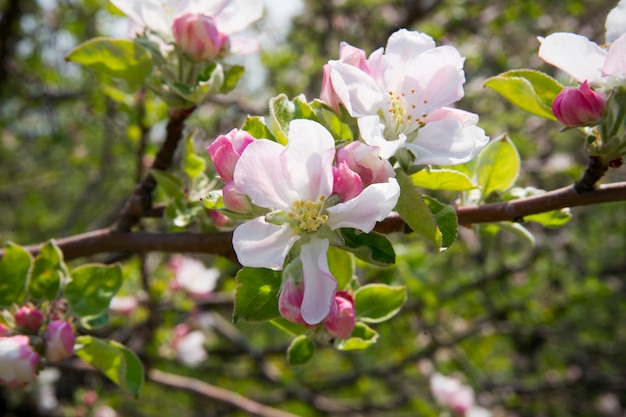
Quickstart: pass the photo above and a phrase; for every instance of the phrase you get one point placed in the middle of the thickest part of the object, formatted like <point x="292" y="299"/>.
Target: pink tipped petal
<point x="615" y="63"/>
<point x="574" y="54"/>
<point x="362" y="212"/>
<point x="259" y="175"/>
<point x="358" y="92"/>
<point x="372" y="133"/>
<point x="263" y="245"/>
<point x="308" y="158"/>
<point x="447" y="142"/>
<point x="319" y="285"/>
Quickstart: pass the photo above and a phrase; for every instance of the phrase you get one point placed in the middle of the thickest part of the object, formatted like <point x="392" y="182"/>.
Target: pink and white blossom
<point x="18" y="361"/>
<point x="189" y="345"/>
<point x="401" y="97"/>
<point x="451" y="393"/>
<point x="365" y="161"/>
<point x="124" y="305"/>
<point x="294" y="183"/>
<point x="191" y="276"/>
<point x="230" y="16"/>
<point x="60" y="340"/>
<point x="584" y="60"/>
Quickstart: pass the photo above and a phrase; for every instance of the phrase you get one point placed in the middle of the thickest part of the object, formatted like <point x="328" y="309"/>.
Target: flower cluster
<point x="459" y="398"/>
<point x="401" y="98"/>
<point x="23" y="343"/>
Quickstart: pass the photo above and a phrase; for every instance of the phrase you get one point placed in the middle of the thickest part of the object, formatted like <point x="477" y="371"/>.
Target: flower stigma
<point x="308" y="215"/>
<point x="400" y="113"/>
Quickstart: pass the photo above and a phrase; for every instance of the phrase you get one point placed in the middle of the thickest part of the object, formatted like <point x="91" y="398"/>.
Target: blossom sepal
<point x="530" y="90"/>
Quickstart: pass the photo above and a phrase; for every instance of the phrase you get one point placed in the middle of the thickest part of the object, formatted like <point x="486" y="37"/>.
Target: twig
<point x="211" y="391"/>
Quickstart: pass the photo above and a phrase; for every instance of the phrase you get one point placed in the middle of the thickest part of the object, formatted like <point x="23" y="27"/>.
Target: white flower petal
<point x="616" y="22"/>
<point x="238" y="15"/>
<point x="615" y="64"/>
<point x="403" y="45"/>
<point x="357" y="90"/>
<point x="363" y="211"/>
<point x="259" y="175"/>
<point x="574" y="54"/>
<point x="307" y="160"/>
<point x="319" y="285"/>
<point x="372" y="133"/>
<point x="447" y="142"/>
<point x="263" y="245"/>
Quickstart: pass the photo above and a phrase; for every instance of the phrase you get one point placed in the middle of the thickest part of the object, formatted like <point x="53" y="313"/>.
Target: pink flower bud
<point x="235" y="200"/>
<point x="346" y="183"/>
<point x="450" y="393"/>
<point x="579" y="106"/>
<point x="197" y="36"/>
<point x="60" y="339"/>
<point x="18" y="361"/>
<point x="226" y="150"/>
<point x="4" y="330"/>
<point x="350" y="55"/>
<point x="364" y="160"/>
<point x="29" y="318"/>
<point x="290" y="300"/>
<point x="218" y="218"/>
<point x="341" y="321"/>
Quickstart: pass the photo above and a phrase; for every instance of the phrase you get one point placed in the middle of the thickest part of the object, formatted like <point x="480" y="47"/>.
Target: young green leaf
<point x="446" y="219"/>
<point x="530" y="90"/>
<point x="362" y="337"/>
<point x="193" y="165"/>
<point x="255" y="125"/>
<point x="49" y="271"/>
<point x="120" y="58"/>
<point x="375" y="303"/>
<point x="91" y="288"/>
<point x="300" y="351"/>
<point x="15" y="268"/>
<point x="341" y="265"/>
<point x="256" y="298"/>
<point x="115" y="360"/>
<point x="498" y="166"/>
<point x="370" y="247"/>
<point x="442" y="179"/>
<point x="231" y="78"/>
<point x="171" y="185"/>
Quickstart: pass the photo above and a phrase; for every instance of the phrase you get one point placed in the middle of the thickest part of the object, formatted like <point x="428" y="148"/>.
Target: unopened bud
<point x="197" y="36"/>
<point x="580" y="106"/>
<point x="340" y="322"/>
<point x="226" y="150"/>
<point x="235" y="200"/>
<point x="29" y="318"/>
<point x="346" y="183"/>
<point x="60" y="339"/>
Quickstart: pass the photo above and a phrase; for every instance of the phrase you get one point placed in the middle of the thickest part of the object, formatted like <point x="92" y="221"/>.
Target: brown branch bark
<point x="216" y="393"/>
<point x="114" y="241"/>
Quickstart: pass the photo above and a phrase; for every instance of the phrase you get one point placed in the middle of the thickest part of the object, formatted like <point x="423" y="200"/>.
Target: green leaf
<point x="193" y="165"/>
<point x="362" y="337"/>
<point x="15" y="268"/>
<point x="341" y="265"/>
<point x="171" y="185"/>
<point x="288" y="327"/>
<point x="414" y="210"/>
<point x="256" y="298"/>
<point x="91" y="288"/>
<point x="555" y="218"/>
<point x="370" y="247"/>
<point x="375" y="303"/>
<point x="113" y="359"/>
<point x="283" y="111"/>
<point x="447" y="221"/>
<point x="519" y="231"/>
<point x="300" y="351"/>
<point x="120" y="58"/>
<point x="498" y="166"/>
<point x="255" y="125"/>
<point x="49" y="271"/>
<point x="442" y="179"/>
<point x="530" y="90"/>
<point x="231" y="78"/>
<point x="340" y="130"/>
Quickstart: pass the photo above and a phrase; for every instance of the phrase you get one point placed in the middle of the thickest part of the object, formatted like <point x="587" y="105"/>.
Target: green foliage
<point x="300" y="351"/>
<point x="91" y="288"/>
<point x="49" y="271"/>
<point x="15" y="268"/>
<point x="113" y="359"/>
<point x="362" y="338"/>
<point x="120" y="58"/>
<point x="372" y="247"/>
<point x="530" y="90"/>
<point x="376" y="303"/>
<point x="497" y="166"/>
<point x="257" y="294"/>
<point x="442" y="179"/>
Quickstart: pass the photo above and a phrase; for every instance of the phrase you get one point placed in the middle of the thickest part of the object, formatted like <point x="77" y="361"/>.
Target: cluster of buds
<point x="23" y="345"/>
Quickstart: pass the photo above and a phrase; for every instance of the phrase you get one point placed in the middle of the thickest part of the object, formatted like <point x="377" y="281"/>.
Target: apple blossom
<point x="18" y="361"/>
<point x="584" y="60"/>
<point x="60" y="339"/>
<point x="230" y="16"/>
<point x="189" y="345"/>
<point x="226" y="150"/>
<point x="294" y="184"/>
<point x="340" y="323"/>
<point x="193" y="277"/>
<point x="29" y="318"/>
<point x="616" y="22"/>
<point x="124" y="305"/>
<point x="364" y="160"/>
<point x="579" y="106"/>
<point x="198" y="37"/>
<point x="449" y="392"/>
<point x="399" y="97"/>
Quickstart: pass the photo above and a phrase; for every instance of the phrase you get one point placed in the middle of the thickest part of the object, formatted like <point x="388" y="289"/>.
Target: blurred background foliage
<point x="536" y="331"/>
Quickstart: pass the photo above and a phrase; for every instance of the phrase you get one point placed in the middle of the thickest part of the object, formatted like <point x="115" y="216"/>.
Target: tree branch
<point x="220" y="243"/>
<point x="211" y="391"/>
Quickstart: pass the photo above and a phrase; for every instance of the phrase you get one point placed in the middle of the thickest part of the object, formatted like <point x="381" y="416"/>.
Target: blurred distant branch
<point x="116" y="241"/>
